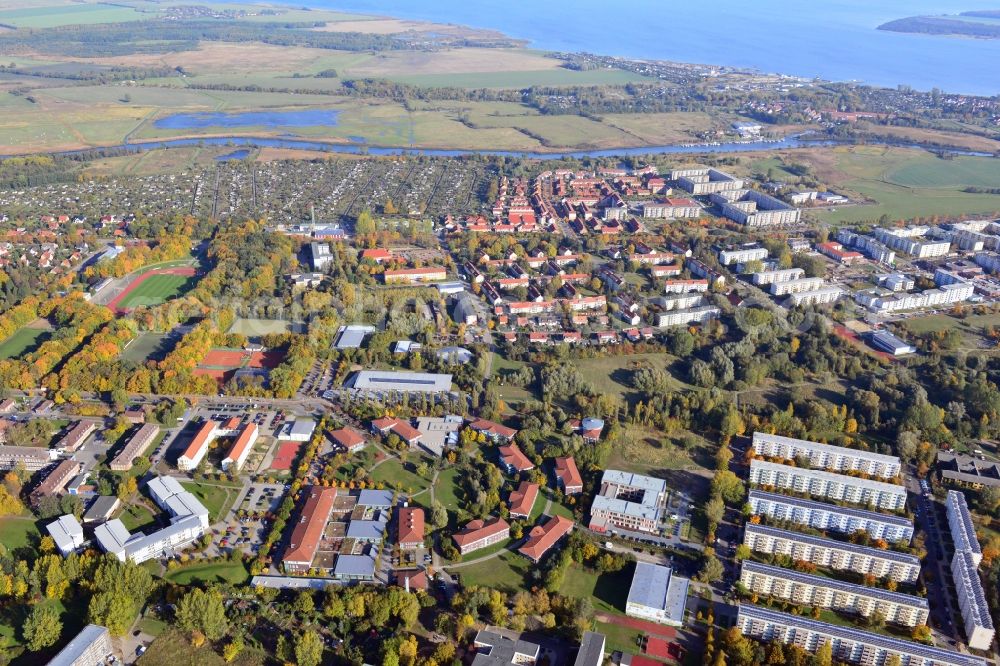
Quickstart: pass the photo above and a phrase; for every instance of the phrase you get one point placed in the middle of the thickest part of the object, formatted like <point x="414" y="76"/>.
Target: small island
<point x="965" y="24"/>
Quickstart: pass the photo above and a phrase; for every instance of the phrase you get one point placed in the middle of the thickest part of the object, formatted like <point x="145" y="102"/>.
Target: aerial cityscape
<point x="445" y="334"/>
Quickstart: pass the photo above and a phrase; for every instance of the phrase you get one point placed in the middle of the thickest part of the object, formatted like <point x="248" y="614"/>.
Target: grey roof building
<point x="355" y="567"/>
<point x="823" y="516"/>
<point x="101" y="509"/>
<point x="657" y="594"/>
<point x="591" y="650"/>
<point x="967" y="470"/>
<point x="493" y="649"/>
<point x="371" y="531"/>
<point x="67" y="533"/>
<point x="352" y="336"/>
<point x="400" y="382"/>
<point x="381" y="499"/>
<point x="89" y="647"/>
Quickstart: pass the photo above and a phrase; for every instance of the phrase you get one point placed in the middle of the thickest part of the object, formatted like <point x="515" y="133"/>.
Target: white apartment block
<point x="628" y="501"/>
<point x="671" y="209"/>
<point x="786" y="287"/>
<point x="819" y="483"/>
<point x="679" y="301"/>
<point x="809" y="590"/>
<point x="821" y="516"/>
<point x="821" y="296"/>
<point x="902" y="240"/>
<point x="963" y="531"/>
<point x="896" y="282"/>
<point x="684" y="286"/>
<point x="849" y="645"/>
<point x="837" y="555"/>
<point x="868" y="246"/>
<point x="705" y="181"/>
<point x="764" y="278"/>
<point x="972" y="601"/>
<point x="741" y="255"/>
<point x="990" y="261"/>
<point x="755" y="209"/>
<point x="826" y="456"/>
<point x="684" y="317"/>
<point x="944" y="295"/>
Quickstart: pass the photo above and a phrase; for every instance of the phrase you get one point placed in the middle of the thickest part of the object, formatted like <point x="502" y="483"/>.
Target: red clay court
<point x="285" y="455"/>
<point x="269" y="359"/>
<point x="183" y="271"/>
<point x="224" y="358"/>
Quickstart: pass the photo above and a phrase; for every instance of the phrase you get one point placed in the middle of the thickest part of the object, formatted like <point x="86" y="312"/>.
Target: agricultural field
<point x="23" y="341"/>
<point x="75" y="14"/>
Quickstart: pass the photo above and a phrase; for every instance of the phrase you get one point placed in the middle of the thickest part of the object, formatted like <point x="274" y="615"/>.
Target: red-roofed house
<point x="522" y="500"/>
<point x="542" y="538"/>
<point x="378" y="255"/>
<point x="412" y="579"/>
<point x="198" y="447"/>
<point x="568" y="476"/>
<point x="410" y="527"/>
<point x="494" y="431"/>
<point x="308" y="531"/>
<point x="481" y="534"/>
<point x="513" y="459"/>
<point x="404" y="430"/>
<point x="348" y="439"/>
<point x="414" y="275"/>
<point x="241" y="447"/>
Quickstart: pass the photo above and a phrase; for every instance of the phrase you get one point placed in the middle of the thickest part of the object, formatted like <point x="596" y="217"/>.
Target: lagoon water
<point x="831" y="39"/>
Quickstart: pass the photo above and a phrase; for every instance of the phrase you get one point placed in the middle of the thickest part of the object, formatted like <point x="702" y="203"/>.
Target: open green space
<point x="257" y="327"/>
<point x="393" y="474"/>
<point x="609" y="591"/>
<point x="148" y="346"/>
<point x="216" y="496"/>
<point x="619" y="638"/>
<point x="157" y="289"/>
<point x="17" y="532"/>
<point x="644" y="450"/>
<point x="446" y="489"/>
<point x="136" y="516"/>
<point x="234" y="573"/>
<point x="505" y="572"/>
<point x="556" y="509"/>
<point x="76" y="14"/>
<point x="612" y="375"/>
<point x="23" y="341"/>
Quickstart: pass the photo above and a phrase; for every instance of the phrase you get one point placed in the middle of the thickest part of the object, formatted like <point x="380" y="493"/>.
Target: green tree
<point x="42" y="627"/>
<point x="365" y="224"/>
<point x="304" y="602"/>
<point x="715" y="510"/>
<point x="823" y="656"/>
<point x="728" y="486"/>
<point x="308" y="649"/>
<point x="712" y="570"/>
<point x="203" y="611"/>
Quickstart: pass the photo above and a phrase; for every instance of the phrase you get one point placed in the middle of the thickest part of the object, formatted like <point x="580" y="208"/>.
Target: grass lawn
<point x="643" y="450"/>
<point x="446" y="489"/>
<point x="83" y="14"/>
<point x="506" y="572"/>
<point x="612" y="375"/>
<point x="172" y="648"/>
<point x="148" y="346"/>
<point x="215" y="496"/>
<point x="393" y="474"/>
<point x="619" y="638"/>
<point x="257" y="327"/>
<point x="136" y="516"/>
<point x="157" y="289"/>
<point x="235" y="573"/>
<point x="556" y="509"/>
<point x="489" y="550"/>
<point x="17" y="532"/>
<point x="153" y="626"/>
<point x="608" y="591"/>
<point x="23" y="341"/>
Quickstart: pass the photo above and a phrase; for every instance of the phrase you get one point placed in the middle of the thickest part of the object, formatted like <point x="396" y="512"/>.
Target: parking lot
<point x="249" y="521"/>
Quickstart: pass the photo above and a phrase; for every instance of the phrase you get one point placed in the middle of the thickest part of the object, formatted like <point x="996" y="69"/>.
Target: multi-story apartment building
<point x="764" y="278"/>
<point x="31" y="457"/>
<point x="755" y="209"/>
<point x="705" y="181"/>
<point x="963" y="531"/>
<point x="689" y="316"/>
<point x="786" y="287"/>
<point x="852" y="646"/>
<point x="868" y="246"/>
<point x="136" y="445"/>
<point x="990" y="261"/>
<point x="628" y="501"/>
<point x="670" y="209"/>
<point x="91" y="646"/>
<point x="741" y="255"/>
<point x="821" y="592"/>
<point x="945" y="294"/>
<point x="818" y="483"/>
<point x="821" y="296"/>
<point x="972" y="601"/>
<point x="823" y="516"/>
<point x="838" y="555"/>
<point x="826" y="456"/>
<point x="904" y="240"/>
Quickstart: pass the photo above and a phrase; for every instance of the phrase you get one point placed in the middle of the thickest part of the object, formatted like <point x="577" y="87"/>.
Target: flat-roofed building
<point x="494" y="649"/>
<point x="794" y="286"/>
<point x="832" y="554"/>
<point x="849" y="645"/>
<point x="968" y="471"/>
<point x="320" y="256"/>
<point x="821" y="592"/>
<point x="308" y="530"/>
<point x="241" y="448"/>
<point x="741" y="255"/>
<point x="657" y="594"/>
<point x="67" y="533"/>
<point x="196" y="450"/>
<point x="824" y="516"/>
<point x="961" y="527"/>
<point x="90" y="647"/>
<point x="414" y="275"/>
<point x="820" y="483"/>
<point x="684" y="317"/>
<point x="135" y="447"/>
<point x="755" y="209"/>
<point x="390" y="381"/>
<point x="670" y="209"/>
<point x="972" y="601"/>
<point x="542" y="538"/>
<point x="891" y="344"/>
<point x="826" y="456"/>
<point x="351" y="337"/>
<point x="706" y="181"/>
<point x="568" y="476"/>
<point x="299" y="430"/>
<point x="480" y="534"/>
<point x="522" y="500"/>
<point x="628" y="501"/>
<point x="31" y="457"/>
<point x="764" y="278"/>
<point x="822" y="296"/>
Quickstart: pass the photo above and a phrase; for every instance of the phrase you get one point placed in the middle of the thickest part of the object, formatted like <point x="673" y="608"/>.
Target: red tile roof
<point x="492" y="428"/>
<point x="243" y="441"/>
<point x="543" y="537"/>
<point x="523" y="499"/>
<point x="309" y="530"/>
<point x="410" y="526"/>
<point x="201" y="439"/>
<point x="418" y="579"/>
<point x="513" y="456"/>
<point x="568" y="474"/>
<point x="480" y="529"/>
<point x="348" y="438"/>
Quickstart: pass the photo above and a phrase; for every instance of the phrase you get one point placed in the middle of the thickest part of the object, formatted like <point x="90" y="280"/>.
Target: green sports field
<point x="156" y="289"/>
<point x="23" y="341"/>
